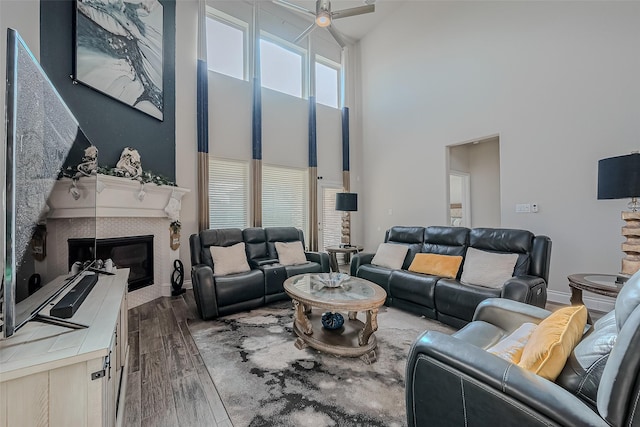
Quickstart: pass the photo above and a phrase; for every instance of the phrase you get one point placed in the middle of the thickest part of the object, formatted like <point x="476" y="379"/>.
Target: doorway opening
<point x="474" y="183"/>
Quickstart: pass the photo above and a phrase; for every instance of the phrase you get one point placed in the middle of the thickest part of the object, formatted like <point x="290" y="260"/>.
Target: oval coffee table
<point x="355" y="338"/>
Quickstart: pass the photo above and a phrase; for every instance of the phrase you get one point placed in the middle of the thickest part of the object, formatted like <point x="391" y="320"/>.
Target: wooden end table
<point x="347" y="250"/>
<point x="601" y="284"/>
<point x="350" y="295"/>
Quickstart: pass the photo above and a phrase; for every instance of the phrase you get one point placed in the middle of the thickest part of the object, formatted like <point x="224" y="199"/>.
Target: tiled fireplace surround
<point x="123" y="208"/>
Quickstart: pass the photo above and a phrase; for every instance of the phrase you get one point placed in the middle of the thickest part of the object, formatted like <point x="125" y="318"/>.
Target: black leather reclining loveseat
<point x="447" y="299"/>
<point x="218" y="295"/>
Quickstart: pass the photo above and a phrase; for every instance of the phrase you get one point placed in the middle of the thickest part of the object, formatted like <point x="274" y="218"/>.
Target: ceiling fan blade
<point x="305" y="32"/>
<point x="294" y="7"/>
<point x="336" y="35"/>
<point x="353" y="11"/>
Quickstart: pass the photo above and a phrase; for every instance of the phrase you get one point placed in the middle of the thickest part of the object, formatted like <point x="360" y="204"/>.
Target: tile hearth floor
<point x="168" y="383"/>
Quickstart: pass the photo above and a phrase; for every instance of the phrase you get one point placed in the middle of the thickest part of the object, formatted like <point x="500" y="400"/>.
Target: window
<point x="327" y="86"/>
<point x="228" y="193"/>
<point x="281" y="68"/>
<point x="226" y="47"/>
<point x="285" y="198"/>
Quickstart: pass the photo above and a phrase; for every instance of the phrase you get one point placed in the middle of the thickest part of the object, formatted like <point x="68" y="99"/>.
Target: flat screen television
<point x="42" y="138"/>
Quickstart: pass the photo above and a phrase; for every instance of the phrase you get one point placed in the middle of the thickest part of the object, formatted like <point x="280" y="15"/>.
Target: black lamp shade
<point x="346" y="202"/>
<point x="619" y="177"/>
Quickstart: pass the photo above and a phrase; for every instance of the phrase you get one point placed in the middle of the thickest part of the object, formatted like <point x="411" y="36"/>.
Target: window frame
<point x="333" y="65"/>
<point x="304" y="60"/>
<point x="238" y="24"/>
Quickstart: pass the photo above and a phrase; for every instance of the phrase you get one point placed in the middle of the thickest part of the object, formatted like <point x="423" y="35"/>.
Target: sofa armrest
<point x="508" y="314"/>
<point x="321" y="258"/>
<point x="359" y="259"/>
<point x="204" y="291"/>
<point x="470" y="380"/>
<point x="529" y="289"/>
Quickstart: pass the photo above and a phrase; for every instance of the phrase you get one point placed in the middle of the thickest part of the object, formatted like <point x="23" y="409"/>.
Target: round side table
<point x="347" y="250"/>
<point x="601" y="284"/>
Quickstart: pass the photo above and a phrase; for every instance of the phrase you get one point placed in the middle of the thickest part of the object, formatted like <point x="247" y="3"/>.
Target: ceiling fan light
<point x="323" y="18"/>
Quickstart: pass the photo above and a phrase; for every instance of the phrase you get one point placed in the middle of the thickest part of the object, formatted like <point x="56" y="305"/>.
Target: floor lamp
<point x="346" y="202"/>
<point x="619" y="178"/>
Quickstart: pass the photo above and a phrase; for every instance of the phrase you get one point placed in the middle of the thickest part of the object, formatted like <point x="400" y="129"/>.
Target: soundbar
<point x="69" y="303"/>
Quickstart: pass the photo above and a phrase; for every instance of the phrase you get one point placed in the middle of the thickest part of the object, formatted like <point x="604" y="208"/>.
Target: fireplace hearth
<point x="135" y="253"/>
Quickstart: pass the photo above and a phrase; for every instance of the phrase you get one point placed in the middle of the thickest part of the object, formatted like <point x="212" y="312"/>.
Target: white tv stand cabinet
<point x="55" y="376"/>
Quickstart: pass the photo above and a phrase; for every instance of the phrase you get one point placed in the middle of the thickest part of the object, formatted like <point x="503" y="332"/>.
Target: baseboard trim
<point x="602" y="304"/>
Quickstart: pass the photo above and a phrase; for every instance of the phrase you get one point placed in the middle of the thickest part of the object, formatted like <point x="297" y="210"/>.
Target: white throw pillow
<point x="510" y="347"/>
<point x="229" y="259"/>
<point x="290" y="253"/>
<point x="390" y="255"/>
<point x="487" y="269"/>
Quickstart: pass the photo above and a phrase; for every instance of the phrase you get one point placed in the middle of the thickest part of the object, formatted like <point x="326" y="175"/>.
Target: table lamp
<point x="619" y="178"/>
<point x="346" y="202"/>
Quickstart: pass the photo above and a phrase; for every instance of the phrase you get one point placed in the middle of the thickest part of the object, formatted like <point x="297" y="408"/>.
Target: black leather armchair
<point x="453" y="381"/>
<point x="217" y="295"/>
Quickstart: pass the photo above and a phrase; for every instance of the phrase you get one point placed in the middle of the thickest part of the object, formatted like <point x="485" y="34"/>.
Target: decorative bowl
<point x="335" y="280"/>
<point x="332" y="321"/>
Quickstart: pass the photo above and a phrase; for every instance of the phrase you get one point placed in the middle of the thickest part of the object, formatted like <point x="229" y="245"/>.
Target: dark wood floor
<point x="168" y="383"/>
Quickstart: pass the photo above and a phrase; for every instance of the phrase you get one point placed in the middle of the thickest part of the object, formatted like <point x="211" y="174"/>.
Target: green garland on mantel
<point x="146" y="177"/>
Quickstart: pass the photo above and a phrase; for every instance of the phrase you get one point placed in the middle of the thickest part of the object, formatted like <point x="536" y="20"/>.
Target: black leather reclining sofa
<point x="218" y="295"/>
<point x="448" y="300"/>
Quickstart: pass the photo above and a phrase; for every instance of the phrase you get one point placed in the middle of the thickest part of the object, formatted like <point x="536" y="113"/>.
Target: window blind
<point x="285" y="198"/>
<point x="228" y="193"/>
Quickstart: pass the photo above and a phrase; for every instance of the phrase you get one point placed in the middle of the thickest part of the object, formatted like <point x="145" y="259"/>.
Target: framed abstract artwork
<point x="118" y="51"/>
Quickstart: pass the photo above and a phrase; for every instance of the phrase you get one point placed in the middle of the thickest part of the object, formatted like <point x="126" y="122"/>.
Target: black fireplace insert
<point x="135" y="253"/>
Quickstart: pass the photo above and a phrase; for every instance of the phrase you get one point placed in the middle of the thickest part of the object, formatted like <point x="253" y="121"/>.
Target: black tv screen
<point x="43" y="138"/>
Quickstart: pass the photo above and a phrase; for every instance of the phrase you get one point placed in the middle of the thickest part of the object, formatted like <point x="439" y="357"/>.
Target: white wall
<point x="558" y="81"/>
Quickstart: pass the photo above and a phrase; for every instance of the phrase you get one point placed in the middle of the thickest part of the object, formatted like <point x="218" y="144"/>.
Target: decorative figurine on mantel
<point x="130" y="164"/>
<point x="89" y="165"/>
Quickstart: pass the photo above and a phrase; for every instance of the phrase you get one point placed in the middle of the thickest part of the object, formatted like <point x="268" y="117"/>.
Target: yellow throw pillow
<point x="553" y="340"/>
<point x="436" y="264"/>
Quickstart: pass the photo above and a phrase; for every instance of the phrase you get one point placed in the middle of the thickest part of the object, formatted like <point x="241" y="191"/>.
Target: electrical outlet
<point x="523" y="208"/>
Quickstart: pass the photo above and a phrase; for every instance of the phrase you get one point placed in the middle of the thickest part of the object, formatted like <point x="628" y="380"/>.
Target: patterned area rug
<point x="264" y="380"/>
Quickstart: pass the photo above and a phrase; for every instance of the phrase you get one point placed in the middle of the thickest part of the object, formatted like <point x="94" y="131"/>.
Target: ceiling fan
<point x="323" y="16"/>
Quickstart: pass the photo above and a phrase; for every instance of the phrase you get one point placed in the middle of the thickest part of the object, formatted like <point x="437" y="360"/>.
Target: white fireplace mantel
<point x="106" y="206"/>
<point x="113" y="196"/>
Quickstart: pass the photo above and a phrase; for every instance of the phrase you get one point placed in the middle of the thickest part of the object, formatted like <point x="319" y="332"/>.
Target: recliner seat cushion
<point x="460" y="301"/>
<point x="414" y="287"/>
<point x="376" y="274"/>
<point x="237" y="288"/>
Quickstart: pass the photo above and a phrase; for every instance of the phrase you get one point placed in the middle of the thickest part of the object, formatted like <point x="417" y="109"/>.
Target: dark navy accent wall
<point x="110" y="124"/>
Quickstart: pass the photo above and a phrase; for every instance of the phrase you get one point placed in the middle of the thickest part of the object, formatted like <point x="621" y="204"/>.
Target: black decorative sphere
<point x="332" y="320"/>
